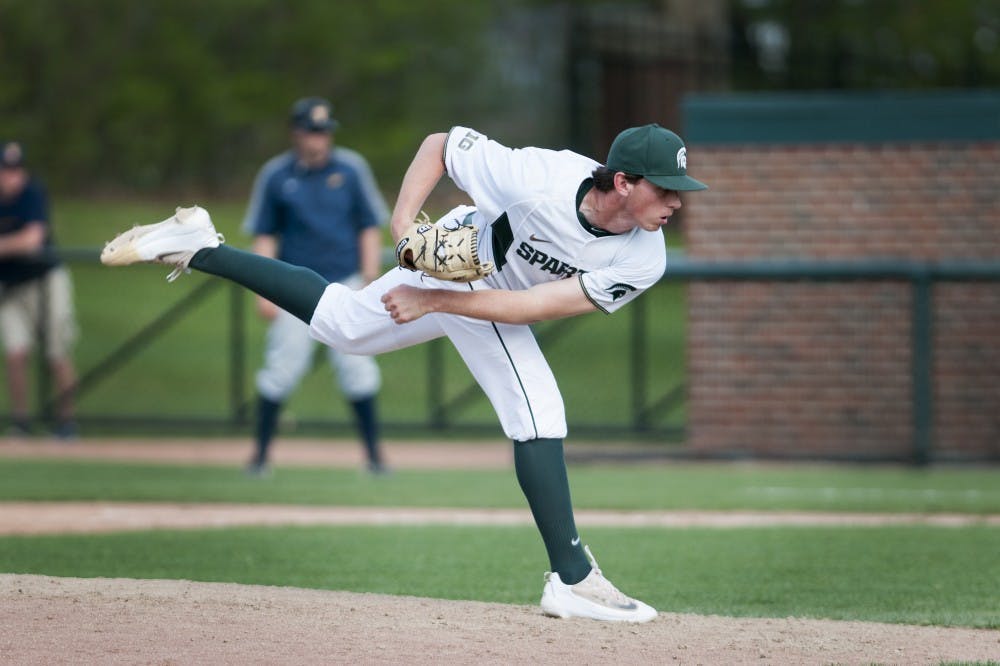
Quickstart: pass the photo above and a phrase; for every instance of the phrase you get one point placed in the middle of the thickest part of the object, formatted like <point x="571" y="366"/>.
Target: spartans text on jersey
<point x="545" y="262"/>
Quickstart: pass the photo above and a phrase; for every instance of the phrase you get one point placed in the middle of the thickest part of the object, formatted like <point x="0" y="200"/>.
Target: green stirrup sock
<point x="541" y="471"/>
<point x="294" y="289"/>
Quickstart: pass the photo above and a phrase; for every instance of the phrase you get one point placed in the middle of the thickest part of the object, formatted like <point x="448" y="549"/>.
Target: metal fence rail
<point x="922" y="277"/>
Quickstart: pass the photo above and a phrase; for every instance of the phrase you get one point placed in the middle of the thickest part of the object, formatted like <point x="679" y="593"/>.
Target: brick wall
<point x="936" y="201"/>
<point x="823" y="369"/>
<point x="967" y="369"/>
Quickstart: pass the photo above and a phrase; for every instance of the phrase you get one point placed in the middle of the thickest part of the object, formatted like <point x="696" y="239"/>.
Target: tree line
<point x="142" y="96"/>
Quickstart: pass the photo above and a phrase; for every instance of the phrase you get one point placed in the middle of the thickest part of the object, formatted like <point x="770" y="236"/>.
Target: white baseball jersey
<point x="526" y="203"/>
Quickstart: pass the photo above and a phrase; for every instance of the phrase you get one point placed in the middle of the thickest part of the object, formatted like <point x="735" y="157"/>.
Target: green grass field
<point x="907" y="574"/>
<point x="915" y="575"/>
<point x="629" y="488"/>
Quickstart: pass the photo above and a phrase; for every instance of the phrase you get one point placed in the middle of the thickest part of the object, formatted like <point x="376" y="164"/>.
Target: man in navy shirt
<point x="316" y="206"/>
<point x="36" y="292"/>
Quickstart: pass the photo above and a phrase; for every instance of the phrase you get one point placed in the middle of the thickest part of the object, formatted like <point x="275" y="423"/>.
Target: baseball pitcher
<point x="550" y="234"/>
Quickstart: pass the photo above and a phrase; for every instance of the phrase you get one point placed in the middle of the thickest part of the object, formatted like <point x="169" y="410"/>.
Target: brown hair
<point x="604" y="178"/>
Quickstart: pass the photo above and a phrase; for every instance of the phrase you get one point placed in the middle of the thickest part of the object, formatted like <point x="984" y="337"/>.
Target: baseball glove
<point x="447" y="252"/>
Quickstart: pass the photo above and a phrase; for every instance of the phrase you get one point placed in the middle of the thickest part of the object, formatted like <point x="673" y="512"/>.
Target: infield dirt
<point x="123" y="621"/>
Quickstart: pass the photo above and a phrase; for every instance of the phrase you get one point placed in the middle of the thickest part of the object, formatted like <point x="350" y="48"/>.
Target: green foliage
<point x="138" y="95"/>
<point x="144" y="96"/>
<point x="844" y="44"/>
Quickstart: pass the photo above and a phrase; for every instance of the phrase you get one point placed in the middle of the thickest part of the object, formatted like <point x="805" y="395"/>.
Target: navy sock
<point x="292" y="288"/>
<point x="267" y="424"/>
<point x="367" y="420"/>
<point x="541" y="471"/>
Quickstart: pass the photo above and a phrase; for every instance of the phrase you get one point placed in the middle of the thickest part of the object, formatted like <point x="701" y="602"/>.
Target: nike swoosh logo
<point x="538" y="240"/>
<point x="575" y="542"/>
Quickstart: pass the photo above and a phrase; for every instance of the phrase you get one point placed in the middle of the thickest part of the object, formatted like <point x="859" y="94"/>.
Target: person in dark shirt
<point x="36" y="293"/>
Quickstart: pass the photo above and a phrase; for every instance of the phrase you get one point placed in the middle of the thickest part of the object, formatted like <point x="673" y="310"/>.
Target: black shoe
<point x="258" y="469"/>
<point x="66" y="431"/>
<point x="19" y="428"/>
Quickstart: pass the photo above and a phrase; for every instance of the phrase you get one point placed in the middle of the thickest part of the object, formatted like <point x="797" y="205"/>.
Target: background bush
<point x="143" y="96"/>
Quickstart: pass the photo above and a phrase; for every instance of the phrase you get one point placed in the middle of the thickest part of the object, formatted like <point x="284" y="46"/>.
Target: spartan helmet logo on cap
<point x="682" y="158"/>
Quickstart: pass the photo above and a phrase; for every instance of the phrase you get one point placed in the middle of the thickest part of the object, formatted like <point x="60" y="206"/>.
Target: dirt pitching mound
<point x="72" y="620"/>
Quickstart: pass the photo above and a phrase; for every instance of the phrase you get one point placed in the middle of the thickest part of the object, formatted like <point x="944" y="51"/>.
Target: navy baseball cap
<point x="11" y="155"/>
<point x="656" y="154"/>
<point x="313" y="114"/>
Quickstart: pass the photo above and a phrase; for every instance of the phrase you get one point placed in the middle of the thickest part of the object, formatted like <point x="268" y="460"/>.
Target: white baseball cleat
<point x="593" y="597"/>
<point x="172" y="241"/>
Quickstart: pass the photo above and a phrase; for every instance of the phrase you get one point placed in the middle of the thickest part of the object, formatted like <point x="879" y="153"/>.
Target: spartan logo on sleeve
<point x="619" y="289"/>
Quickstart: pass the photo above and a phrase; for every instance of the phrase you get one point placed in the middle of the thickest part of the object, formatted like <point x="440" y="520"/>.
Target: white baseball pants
<point x="504" y="359"/>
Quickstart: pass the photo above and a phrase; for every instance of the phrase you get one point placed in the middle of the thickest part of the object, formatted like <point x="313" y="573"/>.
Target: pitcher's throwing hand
<point x="404" y="303"/>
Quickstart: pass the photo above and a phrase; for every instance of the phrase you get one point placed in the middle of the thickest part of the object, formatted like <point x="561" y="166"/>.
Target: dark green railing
<point x="921" y="275"/>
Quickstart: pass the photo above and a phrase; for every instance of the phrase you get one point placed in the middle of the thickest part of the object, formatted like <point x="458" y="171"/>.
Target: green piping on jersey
<point x="587" y="294"/>
<point x="444" y="148"/>
<point x="581" y="192"/>
<point x="502" y="239"/>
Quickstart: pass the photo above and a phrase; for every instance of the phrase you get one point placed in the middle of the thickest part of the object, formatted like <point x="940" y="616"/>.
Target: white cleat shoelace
<point x="601" y="590"/>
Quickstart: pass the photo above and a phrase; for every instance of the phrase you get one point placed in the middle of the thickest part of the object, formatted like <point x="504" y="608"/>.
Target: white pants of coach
<point x="288" y="358"/>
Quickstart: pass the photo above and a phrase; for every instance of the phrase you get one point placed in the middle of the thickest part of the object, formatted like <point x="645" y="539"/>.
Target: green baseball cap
<point x="656" y="154"/>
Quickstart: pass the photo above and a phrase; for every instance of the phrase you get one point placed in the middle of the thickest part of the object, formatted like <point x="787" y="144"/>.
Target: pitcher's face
<point x="650" y="205"/>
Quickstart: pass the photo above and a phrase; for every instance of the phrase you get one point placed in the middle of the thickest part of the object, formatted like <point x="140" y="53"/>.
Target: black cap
<point x="11" y="155"/>
<point x="313" y="114"/>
